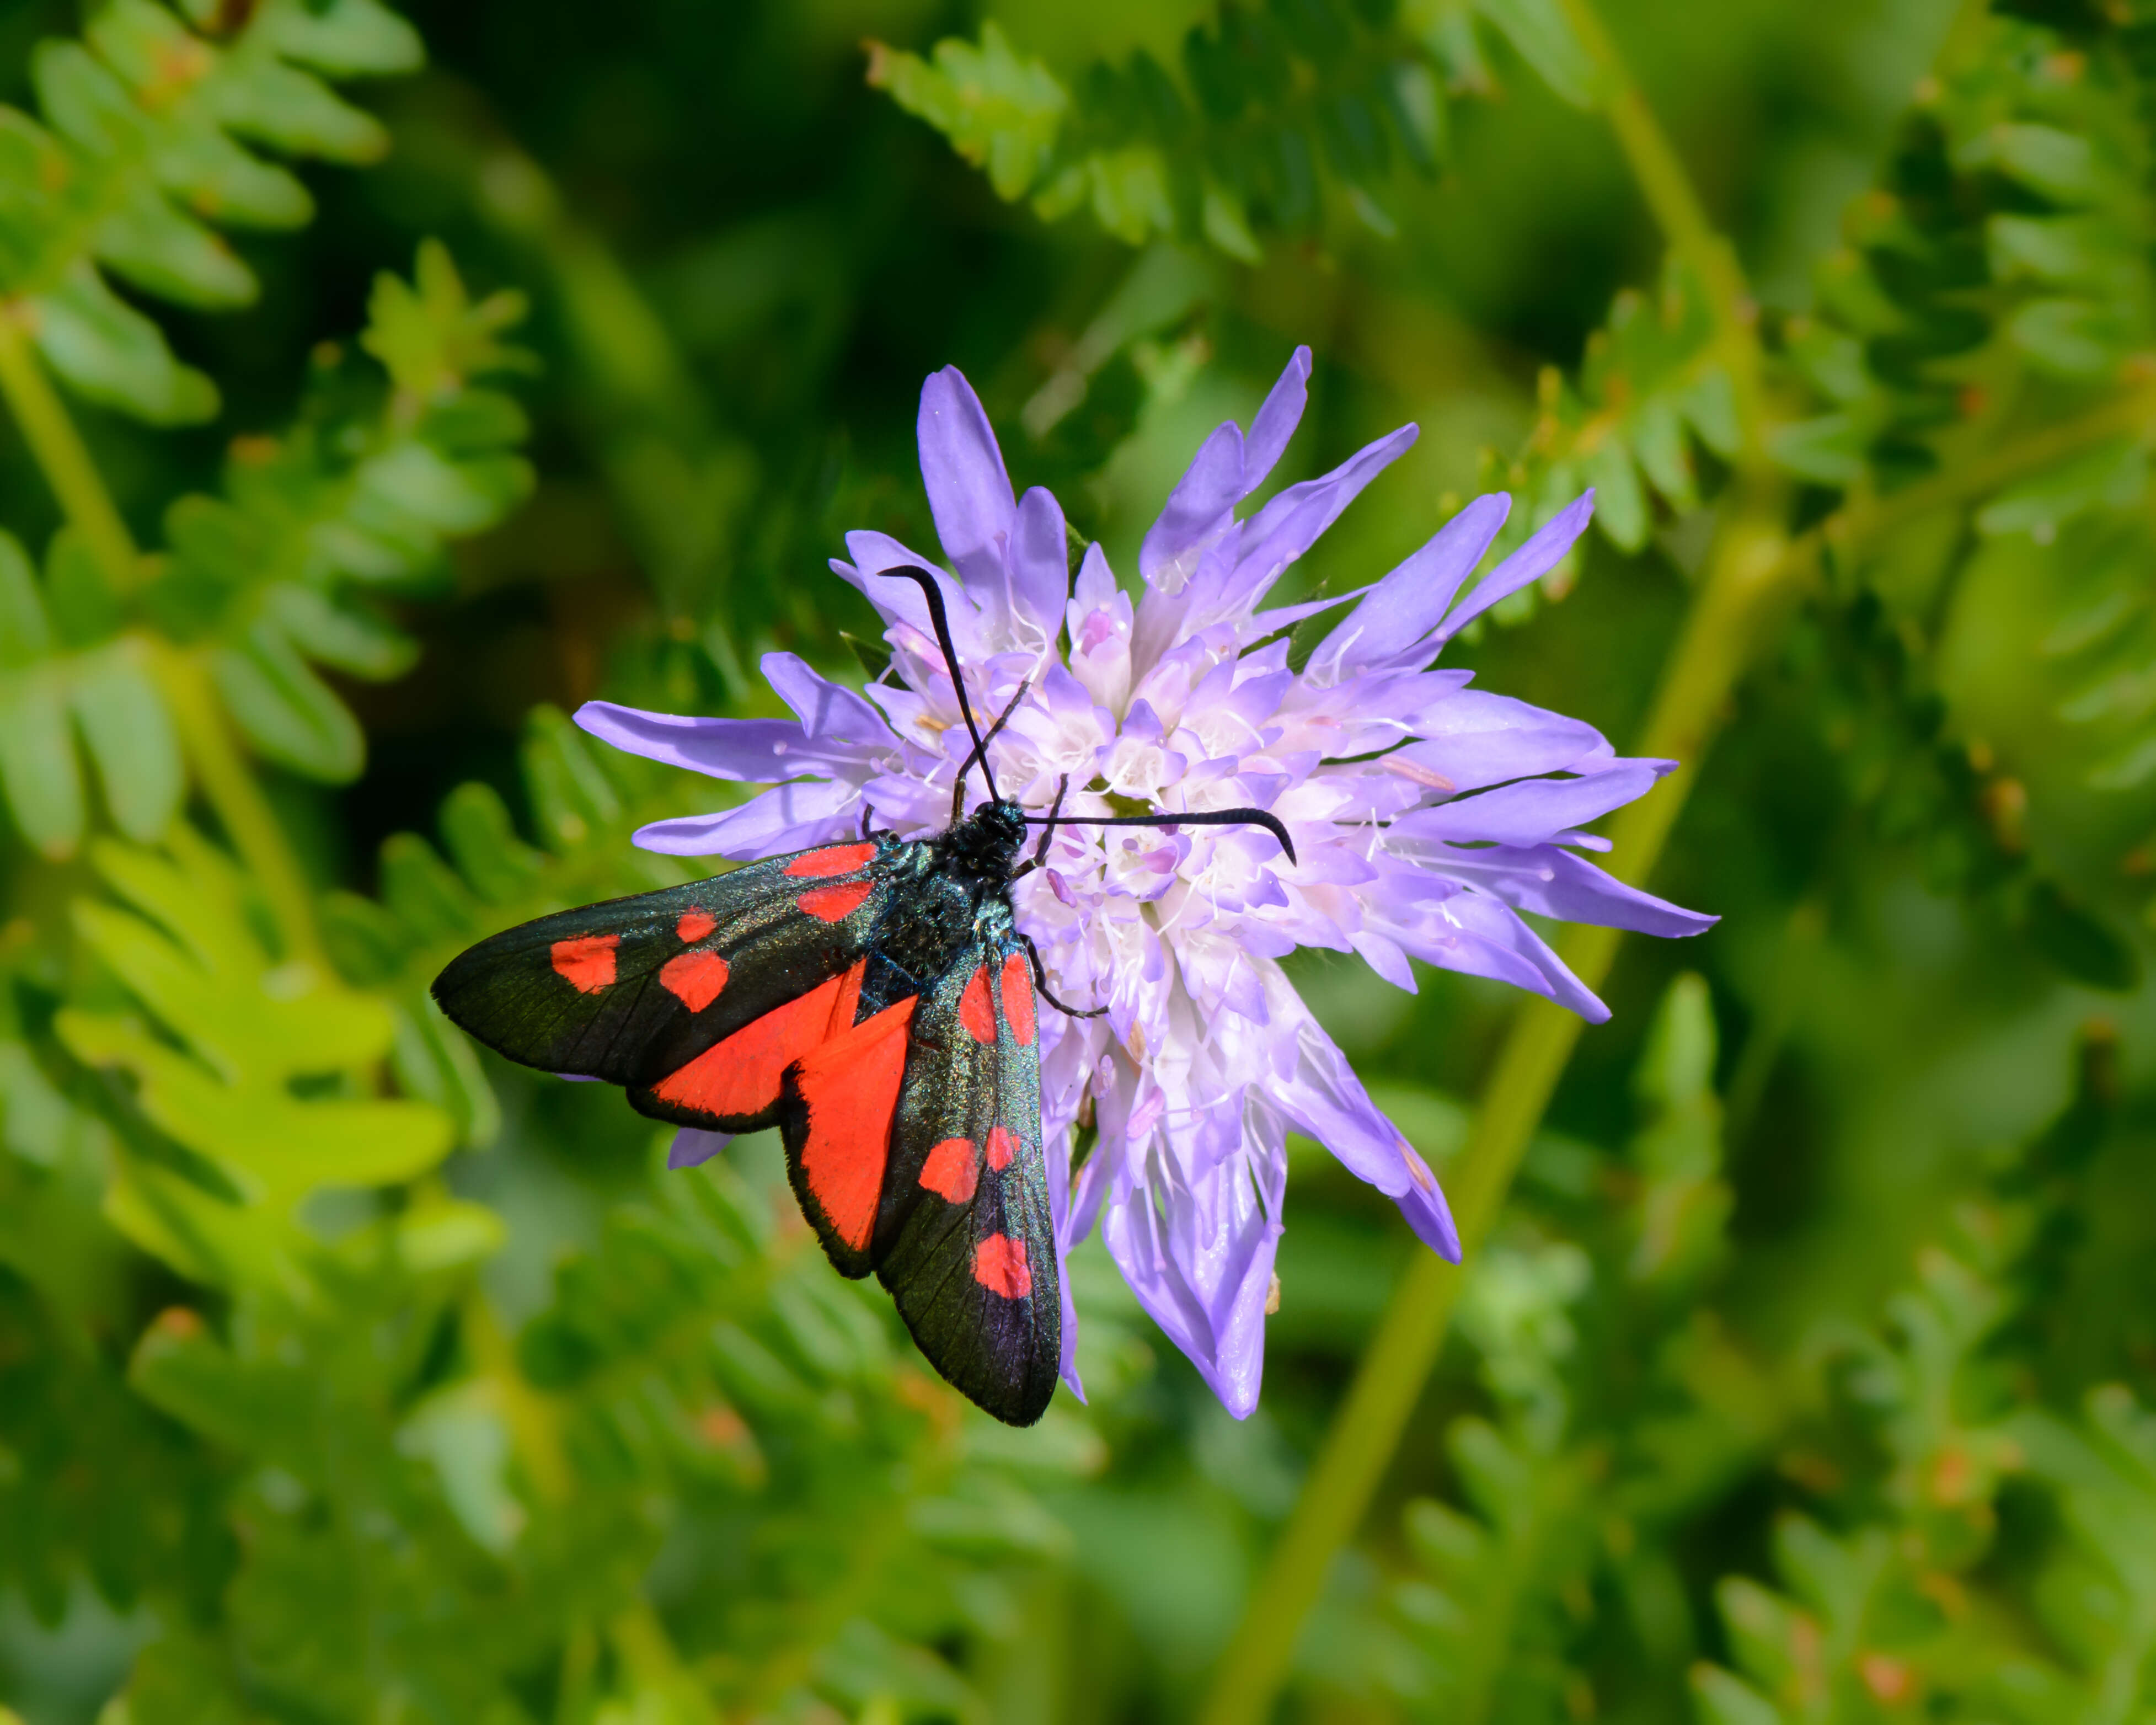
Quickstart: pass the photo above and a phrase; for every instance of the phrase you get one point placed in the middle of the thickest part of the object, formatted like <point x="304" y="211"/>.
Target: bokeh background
<point x="1803" y="1373"/>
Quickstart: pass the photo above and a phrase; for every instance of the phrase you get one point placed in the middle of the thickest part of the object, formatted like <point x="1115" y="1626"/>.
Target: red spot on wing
<point x="834" y="903"/>
<point x="835" y="860"/>
<point x="1018" y="1000"/>
<point x="1002" y="1145"/>
<point x="694" y="925"/>
<point x="999" y="1266"/>
<point x="695" y="979"/>
<point x="740" y="1075"/>
<point x="952" y="1170"/>
<point x="850" y="1086"/>
<point x="974" y="1012"/>
<point x="588" y="961"/>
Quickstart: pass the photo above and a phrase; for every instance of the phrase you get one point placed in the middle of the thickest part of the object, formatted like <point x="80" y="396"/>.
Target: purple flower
<point x="1426" y="815"/>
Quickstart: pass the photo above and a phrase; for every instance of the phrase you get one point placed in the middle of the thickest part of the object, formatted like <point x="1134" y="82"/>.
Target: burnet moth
<point x="876" y="1001"/>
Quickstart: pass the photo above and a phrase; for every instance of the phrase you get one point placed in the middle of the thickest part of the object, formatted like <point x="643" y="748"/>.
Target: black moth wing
<point x="964" y="1237"/>
<point x="633" y="988"/>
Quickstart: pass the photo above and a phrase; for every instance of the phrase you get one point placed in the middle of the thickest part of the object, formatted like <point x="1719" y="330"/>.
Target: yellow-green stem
<point x="60" y="453"/>
<point x="1752" y="573"/>
<point x="229" y="787"/>
<point x="1744" y="576"/>
<point x="1676" y="209"/>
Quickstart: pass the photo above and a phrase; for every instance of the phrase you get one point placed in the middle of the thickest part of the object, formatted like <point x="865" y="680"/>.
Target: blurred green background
<point x="1803" y="1373"/>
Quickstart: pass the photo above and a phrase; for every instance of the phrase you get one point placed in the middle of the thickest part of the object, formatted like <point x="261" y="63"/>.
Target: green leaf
<point x="130" y="736"/>
<point x="1724" y="1699"/>
<point x="38" y="766"/>
<point x="1541" y="35"/>
<point x="2078" y="940"/>
<point x="145" y="152"/>
<point x="432" y="337"/>
<point x="1830" y="449"/>
<point x="239" y="1031"/>
<point x="287" y="712"/>
<point x="1000" y="112"/>
<point x="109" y="353"/>
<point x="25" y="636"/>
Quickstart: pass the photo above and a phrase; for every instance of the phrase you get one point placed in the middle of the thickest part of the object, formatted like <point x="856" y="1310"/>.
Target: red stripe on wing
<point x="695" y="979"/>
<point x="587" y="962"/>
<point x="999" y="1266"/>
<point x="740" y="1076"/>
<point x="952" y="1170"/>
<point x="974" y="1011"/>
<point x="1018" y="999"/>
<point x="836" y="860"/>
<point x="834" y="903"/>
<point x="850" y="1086"/>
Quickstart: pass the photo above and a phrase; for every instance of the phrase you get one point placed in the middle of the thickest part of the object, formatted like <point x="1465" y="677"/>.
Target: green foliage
<point x="347" y="1374"/>
<point x="1278" y="106"/>
<point x="1899" y="1608"/>
<point x="1582" y="1331"/>
<point x="146" y="150"/>
<point x="1945" y="796"/>
<point x="251" y="1112"/>
<point x="285" y="571"/>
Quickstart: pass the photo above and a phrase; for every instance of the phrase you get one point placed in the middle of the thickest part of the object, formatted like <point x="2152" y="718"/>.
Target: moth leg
<point x="981" y="754"/>
<point x="1047" y="832"/>
<point x="1040" y="983"/>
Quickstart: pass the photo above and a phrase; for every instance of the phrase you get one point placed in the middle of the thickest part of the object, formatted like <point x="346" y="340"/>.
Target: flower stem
<point x="1676" y="206"/>
<point x="60" y="453"/>
<point x="1744" y="578"/>
<point x="1754" y="572"/>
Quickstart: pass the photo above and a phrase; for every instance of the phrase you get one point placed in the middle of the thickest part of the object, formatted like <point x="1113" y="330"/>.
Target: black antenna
<point x="1168" y="820"/>
<point x="980" y="754"/>
<point x="935" y="596"/>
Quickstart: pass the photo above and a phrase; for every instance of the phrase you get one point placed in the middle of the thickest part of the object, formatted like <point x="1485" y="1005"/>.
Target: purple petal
<point x="1225" y="470"/>
<point x="1208" y="491"/>
<point x="1527" y="813"/>
<point x="1058" y="1150"/>
<point x="1041" y="564"/>
<point x="1472" y="739"/>
<point x="1276" y="420"/>
<point x="753" y="750"/>
<point x="1480" y="936"/>
<point x="1407" y="604"/>
<point x="1202" y="1272"/>
<point x="693" y="1147"/>
<point x="899" y="600"/>
<point x="1317" y="1091"/>
<point x="1530" y="563"/>
<point x="791" y="817"/>
<point x="1553" y="882"/>
<point x="969" y="493"/>
<point x="1290" y="524"/>
<point x="827" y="709"/>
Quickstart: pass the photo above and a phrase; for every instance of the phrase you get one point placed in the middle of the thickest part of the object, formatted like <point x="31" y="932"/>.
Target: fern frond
<point x="238" y="1094"/>
<point x="149" y="146"/>
<point x="279" y="574"/>
<point x="1277" y="111"/>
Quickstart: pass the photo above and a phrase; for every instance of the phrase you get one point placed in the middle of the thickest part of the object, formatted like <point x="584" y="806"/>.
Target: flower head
<point x="1426" y="816"/>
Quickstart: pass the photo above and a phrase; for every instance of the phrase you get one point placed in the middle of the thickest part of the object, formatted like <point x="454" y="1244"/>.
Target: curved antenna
<point x="1167" y="821"/>
<point x="959" y="790"/>
<point x="934" y="594"/>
